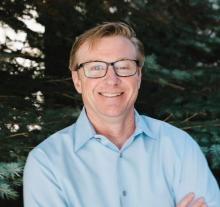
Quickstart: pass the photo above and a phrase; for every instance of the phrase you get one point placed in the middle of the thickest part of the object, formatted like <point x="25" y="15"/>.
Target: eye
<point x="123" y="68"/>
<point x="122" y="65"/>
<point x="97" y="67"/>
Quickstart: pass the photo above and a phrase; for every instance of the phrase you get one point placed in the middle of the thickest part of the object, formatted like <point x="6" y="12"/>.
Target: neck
<point x="116" y="129"/>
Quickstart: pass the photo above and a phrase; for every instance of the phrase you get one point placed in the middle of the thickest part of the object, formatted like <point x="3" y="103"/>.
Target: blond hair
<point x="106" y="29"/>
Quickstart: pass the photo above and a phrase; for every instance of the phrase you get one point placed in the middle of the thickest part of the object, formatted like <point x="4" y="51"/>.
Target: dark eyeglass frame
<point x="81" y="65"/>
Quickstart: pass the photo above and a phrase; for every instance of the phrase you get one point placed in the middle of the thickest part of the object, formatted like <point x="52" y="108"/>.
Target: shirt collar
<point x="142" y="126"/>
<point x="84" y="131"/>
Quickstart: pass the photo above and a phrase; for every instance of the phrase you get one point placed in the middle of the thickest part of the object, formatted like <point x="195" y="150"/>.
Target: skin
<point x="190" y="201"/>
<point x="109" y="101"/>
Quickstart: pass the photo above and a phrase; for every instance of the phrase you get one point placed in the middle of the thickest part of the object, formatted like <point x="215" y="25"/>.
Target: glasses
<point x="98" y="69"/>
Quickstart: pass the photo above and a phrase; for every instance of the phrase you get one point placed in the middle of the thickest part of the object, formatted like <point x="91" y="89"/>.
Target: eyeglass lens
<point x="99" y="69"/>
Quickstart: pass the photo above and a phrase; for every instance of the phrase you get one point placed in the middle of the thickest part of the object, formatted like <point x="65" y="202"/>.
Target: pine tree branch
<point x="25" y="134"/>
<point x="199" y="126"/>
<point x="191" y="117"/>
<point x="7" y="192"/>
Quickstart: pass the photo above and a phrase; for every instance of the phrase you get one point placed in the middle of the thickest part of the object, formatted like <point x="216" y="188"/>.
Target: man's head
<point x="108" y="29"/>
<point x="106" y="66"/>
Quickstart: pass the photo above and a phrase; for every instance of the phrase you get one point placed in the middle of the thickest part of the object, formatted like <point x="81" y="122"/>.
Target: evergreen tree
<point x="180" y="81"/>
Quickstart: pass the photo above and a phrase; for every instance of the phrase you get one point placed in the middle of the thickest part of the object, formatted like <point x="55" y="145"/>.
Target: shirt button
<point x="124" y="192"/>
<point x="98" y="139"/>
<point x="121" y="155"/>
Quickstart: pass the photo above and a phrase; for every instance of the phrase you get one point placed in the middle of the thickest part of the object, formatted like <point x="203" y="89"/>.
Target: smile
<point x="110" y="95"/>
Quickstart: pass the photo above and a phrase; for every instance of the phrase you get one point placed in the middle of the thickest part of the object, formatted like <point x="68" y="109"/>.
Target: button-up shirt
<point x="157" y="166"/>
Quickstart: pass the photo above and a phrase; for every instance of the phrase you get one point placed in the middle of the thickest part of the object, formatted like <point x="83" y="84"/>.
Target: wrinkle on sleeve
<point x="40" y="186"/>
<point x="195" y="175"/>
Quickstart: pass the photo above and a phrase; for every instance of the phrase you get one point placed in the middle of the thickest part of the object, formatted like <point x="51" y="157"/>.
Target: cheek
<point x="137" y="84"/>
<point x="133" y="89"/>
<point x="88" y="87"/>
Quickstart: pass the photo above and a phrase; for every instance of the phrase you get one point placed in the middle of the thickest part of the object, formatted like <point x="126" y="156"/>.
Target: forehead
<point x="106" y="49"/>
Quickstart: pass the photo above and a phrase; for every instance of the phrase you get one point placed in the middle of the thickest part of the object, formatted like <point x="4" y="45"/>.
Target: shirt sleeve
<point x="195" y="176"/>
<point x="40" y="186"/>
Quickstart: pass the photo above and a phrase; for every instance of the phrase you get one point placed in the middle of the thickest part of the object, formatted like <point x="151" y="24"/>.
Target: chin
<point x="113" y="112"/>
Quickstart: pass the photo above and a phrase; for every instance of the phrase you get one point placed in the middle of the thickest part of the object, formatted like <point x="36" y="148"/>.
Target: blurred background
<point x="181" y="81"/>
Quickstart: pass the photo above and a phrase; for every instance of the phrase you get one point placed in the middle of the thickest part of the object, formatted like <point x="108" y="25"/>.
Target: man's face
<point x="110" y="96"/>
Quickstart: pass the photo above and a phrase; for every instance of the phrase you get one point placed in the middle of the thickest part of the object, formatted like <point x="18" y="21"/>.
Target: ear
<point x="139" y="77"/>
<point x="77" y="81"/>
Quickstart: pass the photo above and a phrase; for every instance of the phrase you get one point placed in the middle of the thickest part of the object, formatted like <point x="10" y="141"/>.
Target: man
<point x="112" y="156"/>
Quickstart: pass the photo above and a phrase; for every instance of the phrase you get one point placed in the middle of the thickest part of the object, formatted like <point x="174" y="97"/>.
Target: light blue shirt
<point x="157" y="166"/>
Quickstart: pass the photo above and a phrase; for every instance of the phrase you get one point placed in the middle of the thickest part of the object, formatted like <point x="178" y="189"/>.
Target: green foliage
<point x="193" y="103"/>
<point x="10" y="177"/>
<point x="180" y="78"/>
<point x="215" y="152"/>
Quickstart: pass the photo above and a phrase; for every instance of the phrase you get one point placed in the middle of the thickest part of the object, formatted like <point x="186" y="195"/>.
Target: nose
<point x="111" y="76"/>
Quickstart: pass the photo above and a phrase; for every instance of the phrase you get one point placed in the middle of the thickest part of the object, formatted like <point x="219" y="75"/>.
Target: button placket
<point x="123" y="192"/>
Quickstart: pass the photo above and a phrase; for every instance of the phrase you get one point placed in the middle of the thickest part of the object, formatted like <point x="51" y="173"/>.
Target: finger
<point x="186" y="200"/>
<point x="200" y="202"/>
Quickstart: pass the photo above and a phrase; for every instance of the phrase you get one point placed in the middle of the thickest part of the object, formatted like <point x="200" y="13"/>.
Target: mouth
<point x="110" y="95"/>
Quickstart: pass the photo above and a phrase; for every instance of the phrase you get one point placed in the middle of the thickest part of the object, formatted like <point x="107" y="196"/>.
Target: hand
<point x="189" y="201"/>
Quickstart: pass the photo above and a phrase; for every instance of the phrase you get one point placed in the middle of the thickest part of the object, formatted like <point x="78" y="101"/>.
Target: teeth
<point x="110" y="94"/>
